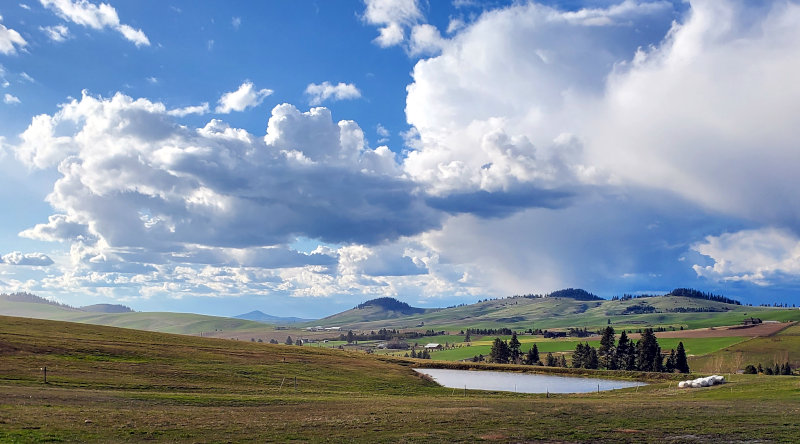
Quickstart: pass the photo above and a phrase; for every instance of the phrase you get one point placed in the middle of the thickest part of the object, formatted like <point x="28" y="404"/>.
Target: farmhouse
<point x="433" y="346"/>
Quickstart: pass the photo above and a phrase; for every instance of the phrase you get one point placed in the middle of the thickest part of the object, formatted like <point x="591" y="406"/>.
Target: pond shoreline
<point x="516" y="382"/>
<point x="538" y="369"/>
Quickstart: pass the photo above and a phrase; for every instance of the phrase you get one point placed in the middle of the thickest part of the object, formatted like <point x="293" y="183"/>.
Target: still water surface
<point x="521" y="382"/>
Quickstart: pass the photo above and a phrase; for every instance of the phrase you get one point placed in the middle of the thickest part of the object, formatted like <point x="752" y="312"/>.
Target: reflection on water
<point x="521" y="382"/>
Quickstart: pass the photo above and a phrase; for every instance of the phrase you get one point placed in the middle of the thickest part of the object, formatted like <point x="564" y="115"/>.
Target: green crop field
<point x="119" y="385"/>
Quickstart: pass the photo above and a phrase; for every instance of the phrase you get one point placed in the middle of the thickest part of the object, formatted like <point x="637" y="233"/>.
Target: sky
<point x="300" y="157"/>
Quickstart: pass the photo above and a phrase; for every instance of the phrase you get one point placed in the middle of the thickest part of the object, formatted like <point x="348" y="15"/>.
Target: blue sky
<point x="301" y="157"/>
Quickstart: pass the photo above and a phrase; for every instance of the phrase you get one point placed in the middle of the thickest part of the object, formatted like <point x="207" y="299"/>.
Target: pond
<point x="521" y="382"/>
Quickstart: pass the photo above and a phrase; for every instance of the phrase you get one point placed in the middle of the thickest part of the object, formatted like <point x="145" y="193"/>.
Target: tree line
<point x="625" y="354"/>
<point x="776" y="369"/>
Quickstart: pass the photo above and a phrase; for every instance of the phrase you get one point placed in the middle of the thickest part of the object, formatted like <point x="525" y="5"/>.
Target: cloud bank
<point x="654" y="146"/>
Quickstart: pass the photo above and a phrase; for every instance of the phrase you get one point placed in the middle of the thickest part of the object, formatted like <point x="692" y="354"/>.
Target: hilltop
<point x="374" y="310"/>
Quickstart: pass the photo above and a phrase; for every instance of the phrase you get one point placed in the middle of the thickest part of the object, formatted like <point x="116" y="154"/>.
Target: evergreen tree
<point x="768" y="371"/>
<point x="578" y="356"/>
<point x="413" y="353"/>
<point x="648" y="353"/>
<point x="289" y="340"/>
<point x="500" y="352"/>
<point x="350" y="337"/>
<point x="606" y="352"/>
<point x="467" y="338"/>
<point x="750" y="370"/>
<point x="513" y="348"/>
<point x="776" y="370"/>
<point x="669" y="366"/>
<point x="591" y="360"/>
<point x="760" y="368"/>
<point x="532" y="358"/>
<point x="550" y="361"/>
<point x="624" y="355"/>
<point x="681" y="364"/>
<point x="562" y="361"/>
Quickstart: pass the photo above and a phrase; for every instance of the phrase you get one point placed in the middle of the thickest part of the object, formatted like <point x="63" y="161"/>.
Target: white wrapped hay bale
<point x="708" y="381"/>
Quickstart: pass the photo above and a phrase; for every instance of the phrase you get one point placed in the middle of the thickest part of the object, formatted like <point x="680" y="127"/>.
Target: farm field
<point x="782" y="347"/>
<point x="108" y="384"/>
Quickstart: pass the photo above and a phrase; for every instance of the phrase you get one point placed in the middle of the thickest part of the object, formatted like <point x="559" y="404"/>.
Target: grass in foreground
<point x="112" y="385"/>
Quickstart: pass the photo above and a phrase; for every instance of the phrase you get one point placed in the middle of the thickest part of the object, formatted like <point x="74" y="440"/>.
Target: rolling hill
<point x="31" y="306"/>
<point x="562" y="309"/>
<point x="569" y="308"/>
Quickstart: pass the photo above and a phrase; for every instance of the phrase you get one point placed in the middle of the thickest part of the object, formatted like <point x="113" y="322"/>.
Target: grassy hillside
<point x="554" y="313"/>
<point x="119" y="385"/>
<point x="89" y="356"/>
<point x="183" y="323"/>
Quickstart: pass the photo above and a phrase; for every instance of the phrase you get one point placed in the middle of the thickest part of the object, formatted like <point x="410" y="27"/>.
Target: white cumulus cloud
<point x="132" y="177"/>
<point x="762" y="256"/>
<point x="321" y="92"/>
<point x="10" y="40"/>
<point x="247" y="96"/>
<point x="425" y="40"/>
<point x="392" y="17"/>
<point x="85" y="13"/>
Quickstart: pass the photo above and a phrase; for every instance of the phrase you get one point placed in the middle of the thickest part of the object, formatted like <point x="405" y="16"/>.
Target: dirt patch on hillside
<point x="765" y="329"/>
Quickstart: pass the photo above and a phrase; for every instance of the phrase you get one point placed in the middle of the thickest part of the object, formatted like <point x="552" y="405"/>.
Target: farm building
<point x="433" y="346"/>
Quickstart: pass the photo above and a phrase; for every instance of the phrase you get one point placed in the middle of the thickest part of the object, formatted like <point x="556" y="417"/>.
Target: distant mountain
<point x="260" y="316"/>
<point x="106" y="308"/>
